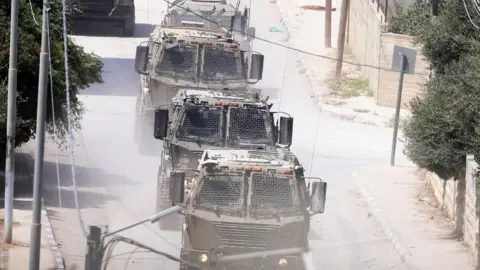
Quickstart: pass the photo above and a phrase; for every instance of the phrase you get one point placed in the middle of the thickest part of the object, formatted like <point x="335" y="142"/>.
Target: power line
<point x="310" y="53"/>
<point x="52" y="99"/>
<point x="468" y="14"/>
<point x="70" y="138"/>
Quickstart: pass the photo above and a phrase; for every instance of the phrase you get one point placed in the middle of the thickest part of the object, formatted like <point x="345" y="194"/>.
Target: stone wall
<point x="446" y="193"/>
<point x="373" y="47"/>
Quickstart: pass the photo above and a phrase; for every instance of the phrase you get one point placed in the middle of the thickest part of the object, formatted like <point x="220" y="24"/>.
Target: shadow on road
<point x="119" y="79"/>
<point x="98" y="29"/>
<point x="85" y="177"/>
<point x="66" y="198"/>
<point x="92" y="178"/>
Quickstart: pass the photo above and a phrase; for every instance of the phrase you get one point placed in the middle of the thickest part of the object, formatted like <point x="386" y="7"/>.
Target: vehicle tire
<point x="129" y="24"/>
<point x="171" y="222"/>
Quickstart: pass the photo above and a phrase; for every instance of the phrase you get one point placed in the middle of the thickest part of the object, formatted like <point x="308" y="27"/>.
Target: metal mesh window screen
<point x="250" y="125"/>
<point x="271" y="192"/>
<point x="204" y="123"/>
<point x="179" y="61"/>
<point x="221" y="190"/>
<point x="220" y="64"/>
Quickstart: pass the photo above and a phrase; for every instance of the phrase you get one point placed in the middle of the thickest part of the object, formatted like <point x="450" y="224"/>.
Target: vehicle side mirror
<point x="256" y="67"/>
<point x="318" y="196"/>
<point x="286" y="131"/>
<point x="160" y="126"/>
<point x="141" y="59"/>
<point x="177" y="187"/>
<point x="250" y="33"/>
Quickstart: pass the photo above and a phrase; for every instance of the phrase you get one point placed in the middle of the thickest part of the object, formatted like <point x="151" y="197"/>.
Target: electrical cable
<point x="70" y="137"/>
<point x="55" y="135"/>
<point x="129" y="256"/>
<point x="468" y="14"/>
<point x="319" y="55"/>
<point x="476" y="7"/>
<point x="33" y="15"/>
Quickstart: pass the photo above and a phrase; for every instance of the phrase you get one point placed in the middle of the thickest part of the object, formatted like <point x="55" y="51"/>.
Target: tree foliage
<point x="84" y="69"/>
<point x="445" y="122"/>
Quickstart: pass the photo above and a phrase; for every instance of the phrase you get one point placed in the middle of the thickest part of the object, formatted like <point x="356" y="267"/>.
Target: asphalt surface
<point x="117" y="186"/>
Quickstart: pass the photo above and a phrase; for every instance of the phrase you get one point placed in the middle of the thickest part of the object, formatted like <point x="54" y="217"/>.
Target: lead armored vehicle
<point x="119" y="13"/>
<point x="207" y="119"/>
<point x="214" y="14"/>
<point x="245" y="201"/>
<point x="186" y="57"/>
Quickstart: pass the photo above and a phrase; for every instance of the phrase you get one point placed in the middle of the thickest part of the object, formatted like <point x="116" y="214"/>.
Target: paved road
<point x="117" y="186"/>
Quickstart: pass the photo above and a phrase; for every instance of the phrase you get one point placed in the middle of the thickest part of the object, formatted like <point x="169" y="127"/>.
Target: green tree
<point x="445" y="121"/>
<point x="444" y="126"/>
<point x="445" y="39"/>
<point x="84" y="69"/>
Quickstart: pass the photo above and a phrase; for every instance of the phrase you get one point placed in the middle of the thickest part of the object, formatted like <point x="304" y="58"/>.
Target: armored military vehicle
<point x="179" y="57"/>
<point x="214" y="14"/>
<point x="245" y="201"/>
<point x="110" y="12"/>
<point x="207" y="119"/>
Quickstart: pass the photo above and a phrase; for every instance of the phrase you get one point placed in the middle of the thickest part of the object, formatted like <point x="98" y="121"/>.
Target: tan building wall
<point x="372" y="47"/>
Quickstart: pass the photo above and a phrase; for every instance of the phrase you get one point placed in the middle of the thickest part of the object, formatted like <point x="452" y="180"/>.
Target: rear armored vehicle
<point x="247" y="201"/>
<point x="111" y="13"/>
<point x="213" y="14"/>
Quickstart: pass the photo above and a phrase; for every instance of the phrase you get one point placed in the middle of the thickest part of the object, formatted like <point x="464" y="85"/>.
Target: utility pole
<point x="341" y="37"/>
<point x="328" y="23"/>
<point x="93" y="259"/>
<point x="36" y="229"/>
<point x="11" y="125"/>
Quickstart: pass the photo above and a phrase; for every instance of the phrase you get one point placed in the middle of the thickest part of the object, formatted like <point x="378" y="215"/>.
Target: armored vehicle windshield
<point x="203" y="124"/>
<point x="230" y="126"/>
<point x="179" y="61"/>
<point x="201" y="63"/>
<point x="258" y="192"/>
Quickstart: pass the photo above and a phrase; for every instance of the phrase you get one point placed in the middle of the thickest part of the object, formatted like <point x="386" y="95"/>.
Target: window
<point x="202" y="123"/>
<point x="250" y="125"/>
<point x="178" y="61"/>
<point x="222" y="190"/>
<point x="220" y="64"/>
<point x="270" y="192"/>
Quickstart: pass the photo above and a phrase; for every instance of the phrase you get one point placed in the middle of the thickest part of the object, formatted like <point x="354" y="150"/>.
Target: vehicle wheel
<point x="171" y="222"/>
<point x="129" y="24"/>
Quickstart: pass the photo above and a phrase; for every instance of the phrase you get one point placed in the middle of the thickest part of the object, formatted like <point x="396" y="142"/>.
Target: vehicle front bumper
<point x="272" y="263"/>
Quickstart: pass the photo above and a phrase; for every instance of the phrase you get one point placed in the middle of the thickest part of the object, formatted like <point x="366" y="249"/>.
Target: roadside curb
<point x="60" y="263"/>
<point x="47" y="225"/>
<point x="359" y="119"/>
<point x="400" y="249"/>
<point x="311" y="78"/>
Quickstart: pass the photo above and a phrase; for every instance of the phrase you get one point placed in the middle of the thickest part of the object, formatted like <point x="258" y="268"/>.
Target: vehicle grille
<point x="251" y="236"/>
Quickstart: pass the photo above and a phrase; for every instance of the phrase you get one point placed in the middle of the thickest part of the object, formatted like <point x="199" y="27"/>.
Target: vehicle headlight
<point x="283" y="262"/>
<point x="203" y="258"/>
